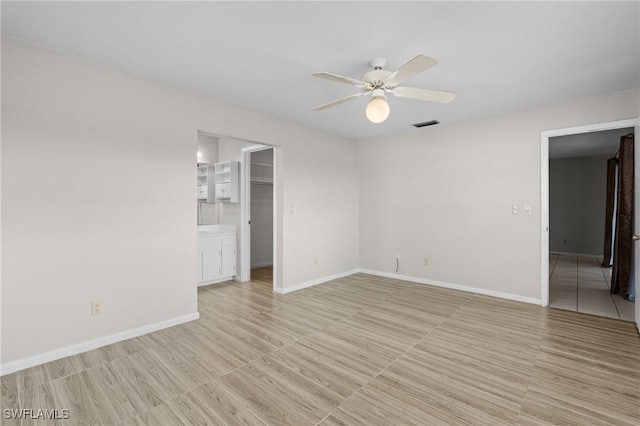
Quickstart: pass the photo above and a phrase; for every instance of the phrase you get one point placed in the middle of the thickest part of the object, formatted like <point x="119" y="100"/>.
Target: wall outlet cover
<point x="96" y="307"/>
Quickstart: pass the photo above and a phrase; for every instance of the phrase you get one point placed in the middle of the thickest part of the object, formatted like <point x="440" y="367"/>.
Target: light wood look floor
<point x="263" y="275"/>
<point x="361" y="350"/>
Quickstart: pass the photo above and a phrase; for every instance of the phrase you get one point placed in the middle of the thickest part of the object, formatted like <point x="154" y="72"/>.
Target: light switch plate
<point x="515" y="209"/>
<point x="526" y="209"/>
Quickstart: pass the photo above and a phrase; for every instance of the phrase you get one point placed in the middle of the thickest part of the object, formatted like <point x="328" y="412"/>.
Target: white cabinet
<point x="228" y="261"/>
<point x="206" y="182"/>
<point x="227" y="182"/>
<point x="211" y="264"/>
<point x="216" y="256"/>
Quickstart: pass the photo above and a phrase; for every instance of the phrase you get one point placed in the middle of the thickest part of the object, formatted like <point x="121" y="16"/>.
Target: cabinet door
<point x="199" y="270"/>
<point x="222" y="190"/>
<point x="211" y="264"/>
<point x="228" y="261"/>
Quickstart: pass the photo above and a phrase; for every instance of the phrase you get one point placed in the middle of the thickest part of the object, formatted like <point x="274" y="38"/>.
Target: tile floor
<point x="580" y="284"/>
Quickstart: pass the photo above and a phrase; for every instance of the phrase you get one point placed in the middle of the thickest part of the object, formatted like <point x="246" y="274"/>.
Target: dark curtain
<point x="611" y="199"/>
<point x="623" y="248"/>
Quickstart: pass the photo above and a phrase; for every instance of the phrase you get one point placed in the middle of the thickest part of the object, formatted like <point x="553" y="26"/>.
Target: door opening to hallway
<point x="579" y="279"/>
<point x="581" y="284"/>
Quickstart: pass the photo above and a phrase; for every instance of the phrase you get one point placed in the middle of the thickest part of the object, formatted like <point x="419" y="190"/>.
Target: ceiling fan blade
<point x="415" y="66"/>
<point x="424" y="94"/>
<point x="340" y="79"/>
<point x="339" y="101"/>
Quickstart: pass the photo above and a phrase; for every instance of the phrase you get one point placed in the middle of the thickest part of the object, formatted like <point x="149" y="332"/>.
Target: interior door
<point x="636" y="222"/>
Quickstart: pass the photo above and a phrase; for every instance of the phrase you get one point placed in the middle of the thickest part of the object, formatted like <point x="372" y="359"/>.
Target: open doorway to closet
<point x="260" y="212"/>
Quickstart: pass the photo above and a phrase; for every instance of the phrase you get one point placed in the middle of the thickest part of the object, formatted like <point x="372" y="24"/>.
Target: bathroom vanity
<point x="217" y="260"/>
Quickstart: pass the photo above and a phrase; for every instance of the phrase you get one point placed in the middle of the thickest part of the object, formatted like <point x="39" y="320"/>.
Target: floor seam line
<point x="374" y="377"/>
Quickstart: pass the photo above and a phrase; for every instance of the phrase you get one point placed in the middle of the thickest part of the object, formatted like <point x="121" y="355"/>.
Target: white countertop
<point x="206" y="230"/>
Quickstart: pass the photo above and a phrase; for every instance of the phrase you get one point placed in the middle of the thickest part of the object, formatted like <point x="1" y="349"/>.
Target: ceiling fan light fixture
<point x="377" y="109"/>
<point x="380" y="81"/>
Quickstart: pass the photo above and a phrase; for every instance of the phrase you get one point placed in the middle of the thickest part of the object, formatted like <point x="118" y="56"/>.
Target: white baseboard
<point x="261" y="265"/>
<point x="217" y="280"/>
<point x="566" y="253"/>
<point x="55" y="354"/>
<point x="468" y="289"/>
<point x="311" y="283"/>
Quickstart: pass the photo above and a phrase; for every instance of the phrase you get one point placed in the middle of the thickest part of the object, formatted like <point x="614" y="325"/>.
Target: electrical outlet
<point x="96" y="307"/>
<point x="426" y="261"/>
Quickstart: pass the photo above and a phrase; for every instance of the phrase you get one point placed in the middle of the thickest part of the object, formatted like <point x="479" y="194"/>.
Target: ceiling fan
<point x="379" y="81"/>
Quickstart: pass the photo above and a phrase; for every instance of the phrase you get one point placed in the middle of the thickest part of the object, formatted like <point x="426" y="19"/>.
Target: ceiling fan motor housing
<point x="376" y="78"/>
<point x="377" y="93"/>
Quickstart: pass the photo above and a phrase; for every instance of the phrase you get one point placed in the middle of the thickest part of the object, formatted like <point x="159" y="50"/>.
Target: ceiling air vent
<point x="427" y="123"/>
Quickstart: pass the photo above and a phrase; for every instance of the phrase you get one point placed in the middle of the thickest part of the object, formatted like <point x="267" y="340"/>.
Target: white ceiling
<point x="587" y="144"/>
<point x="499" y="57"/>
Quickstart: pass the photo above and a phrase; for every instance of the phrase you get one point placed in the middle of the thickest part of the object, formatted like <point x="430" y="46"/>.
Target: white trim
<point x="567" y="253"/>
<point x="245" y="213"/>
<point x="468" y="289"/>
<point x="261" y="265"/>
<point x="544" y="219"/>
<point x="55" y="354"/>
<point x="636" y="227"/>
<point x="476" y="290"/>
<point x="317" y="281"/>
<point x="218" y="280"/>
<point x="544" y="189"/>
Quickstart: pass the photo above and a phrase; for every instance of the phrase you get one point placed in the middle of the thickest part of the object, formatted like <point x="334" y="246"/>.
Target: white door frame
<point x="636" y="225"/>
<point x="544" y="190"/>
<point x="245" y="215"/>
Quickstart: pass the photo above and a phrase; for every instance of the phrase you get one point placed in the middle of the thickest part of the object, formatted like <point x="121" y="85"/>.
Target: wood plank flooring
<point x="360" y="350"/>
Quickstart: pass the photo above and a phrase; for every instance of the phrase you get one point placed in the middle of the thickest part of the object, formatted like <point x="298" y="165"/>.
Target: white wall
<point x="98" y="200"/>
<point x="208" y="148"/>
<point x="446" y="192"/>
<point x="577" y="204"/>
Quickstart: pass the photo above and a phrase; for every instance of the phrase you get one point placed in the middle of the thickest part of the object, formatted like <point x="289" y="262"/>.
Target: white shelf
<point x="227" y="182"/>
<point x="262" y="173"/>
<point x="205" y="181"/>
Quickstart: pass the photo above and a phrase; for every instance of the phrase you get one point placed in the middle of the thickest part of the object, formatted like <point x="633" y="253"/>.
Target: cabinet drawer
<point x="229" y="241"/>
<point x="209" y="242"/>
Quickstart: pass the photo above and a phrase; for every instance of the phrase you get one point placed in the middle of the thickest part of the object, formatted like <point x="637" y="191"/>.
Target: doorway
<point x="579" y="278"/>
<point x="260" y="205"/>
<point x="260" y="216"/>
<point x="234" y="215"/>
<point x="545" y="219"/>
